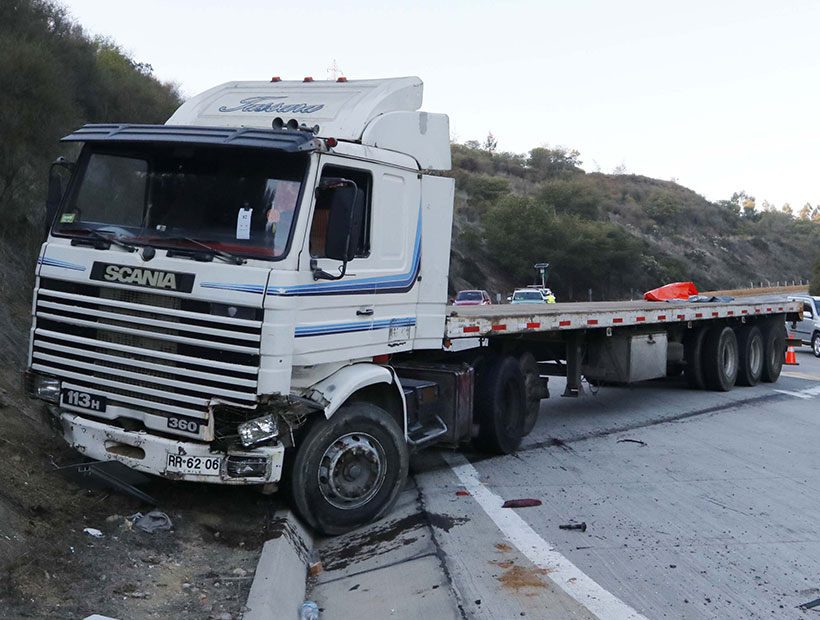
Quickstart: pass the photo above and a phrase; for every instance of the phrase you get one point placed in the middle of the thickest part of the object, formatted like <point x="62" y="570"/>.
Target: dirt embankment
<point x="51" y="568"/>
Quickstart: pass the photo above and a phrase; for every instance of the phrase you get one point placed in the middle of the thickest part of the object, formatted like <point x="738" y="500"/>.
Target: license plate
<point x="84" y="400"/>
<point x="201" y="465"/>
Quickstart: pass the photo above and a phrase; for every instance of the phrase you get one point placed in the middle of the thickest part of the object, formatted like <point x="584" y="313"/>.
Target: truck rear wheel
<point x="501" y="406"/>
<point x="750" y="355"/>
<point x="693" y="352"/>
<point x="774" y="349"/>
<point x="720" y="359"/>
<point x="815" y="344"/>
<point x="534" y="390"/>
<point x="350" y="469"/>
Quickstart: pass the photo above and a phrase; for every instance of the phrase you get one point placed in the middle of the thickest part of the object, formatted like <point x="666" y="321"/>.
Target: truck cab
<point x="209" y="284"/>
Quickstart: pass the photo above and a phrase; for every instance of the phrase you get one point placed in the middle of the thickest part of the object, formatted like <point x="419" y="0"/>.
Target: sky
<point x="718" y="95"/>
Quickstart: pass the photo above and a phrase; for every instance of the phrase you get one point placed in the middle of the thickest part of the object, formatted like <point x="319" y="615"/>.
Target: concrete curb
<point x="278" y="588"/>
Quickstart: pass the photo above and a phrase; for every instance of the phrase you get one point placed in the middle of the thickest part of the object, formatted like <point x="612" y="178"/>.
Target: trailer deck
<point x="481" y="321"/>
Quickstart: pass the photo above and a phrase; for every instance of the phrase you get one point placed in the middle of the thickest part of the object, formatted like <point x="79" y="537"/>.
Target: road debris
<point x="638" y="441"/>
<point x="810" y="604"/>
<point x="521" y="503"/>
<point x="582" y="526"/>
<point x="315" y="563"/>
<point x="107" y="475"/>
<point x="154" y="521"/>
<point x="463" y="493"/>
<point x="92" y="531"/>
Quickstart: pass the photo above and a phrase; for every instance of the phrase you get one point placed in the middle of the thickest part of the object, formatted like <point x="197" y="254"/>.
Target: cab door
<point x="370" y="310"/>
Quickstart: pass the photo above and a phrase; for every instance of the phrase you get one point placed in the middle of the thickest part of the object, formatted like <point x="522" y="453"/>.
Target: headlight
<point x="258" y="430"/>
<point x="43" y="387"/>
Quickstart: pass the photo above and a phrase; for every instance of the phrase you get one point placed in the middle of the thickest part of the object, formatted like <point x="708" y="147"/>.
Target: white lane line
<point x="564" y="573"/>
<point x="804" y="394"/>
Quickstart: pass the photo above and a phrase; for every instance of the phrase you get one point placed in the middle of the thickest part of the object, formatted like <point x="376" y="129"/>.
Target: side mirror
<point x="807" y="315"/>
<point x="345" y="204"/>
<point x="509" y="298"/>
<point x="55" y="189"/>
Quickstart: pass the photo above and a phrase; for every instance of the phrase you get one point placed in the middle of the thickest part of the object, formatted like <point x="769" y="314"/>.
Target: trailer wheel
<point x="774" y="349"/>
<point x="693" y="352"/>
<point x="349" y="470"/>
<point x="534" y="390"/>
<point x="720" y="359"/>
<point x="750" y="355"/>
<point x="501" y="406"/>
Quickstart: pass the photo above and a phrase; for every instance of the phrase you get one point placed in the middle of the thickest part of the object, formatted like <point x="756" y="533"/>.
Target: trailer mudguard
<point x="332" y="392"/>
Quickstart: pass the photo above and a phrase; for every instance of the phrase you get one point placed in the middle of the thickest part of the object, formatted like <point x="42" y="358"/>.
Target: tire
<point x="720" y="359"/>
<point x="693" y="352"/>
<point x="349" y="470"/>
<point x="815" y="344"/>
<point x="501" y="407"/>
<point x="750" y="355"/>
<point x="774" y="350"/>
<point x="533" y="388"/>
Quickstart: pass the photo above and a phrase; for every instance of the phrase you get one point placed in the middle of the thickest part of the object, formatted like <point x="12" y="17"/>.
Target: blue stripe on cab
<point x="346" y="328"/>
<point x="50" y="262"/>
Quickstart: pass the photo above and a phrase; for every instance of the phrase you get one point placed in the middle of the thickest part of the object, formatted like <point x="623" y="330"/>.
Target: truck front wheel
<point x="501" y="406"/>
<point x="350" y="469"/>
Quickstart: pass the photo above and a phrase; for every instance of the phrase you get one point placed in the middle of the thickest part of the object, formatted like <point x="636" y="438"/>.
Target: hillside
<point x="615" y="234"/>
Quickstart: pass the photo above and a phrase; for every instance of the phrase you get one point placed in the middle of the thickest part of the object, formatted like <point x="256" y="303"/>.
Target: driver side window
<point x="321" y="212"/>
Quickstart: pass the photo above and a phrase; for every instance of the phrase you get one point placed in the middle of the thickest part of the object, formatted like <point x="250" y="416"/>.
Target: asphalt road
<point x="697" y="504"/>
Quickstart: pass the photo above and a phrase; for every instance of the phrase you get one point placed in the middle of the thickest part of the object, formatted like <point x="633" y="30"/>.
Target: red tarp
<point x="676" y="290"/>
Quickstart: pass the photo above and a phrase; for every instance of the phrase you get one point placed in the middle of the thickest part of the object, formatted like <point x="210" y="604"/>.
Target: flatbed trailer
<point x="485" y="321"/>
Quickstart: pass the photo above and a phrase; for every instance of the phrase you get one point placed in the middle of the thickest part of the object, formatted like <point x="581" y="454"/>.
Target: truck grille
<point x="155" y="353"/>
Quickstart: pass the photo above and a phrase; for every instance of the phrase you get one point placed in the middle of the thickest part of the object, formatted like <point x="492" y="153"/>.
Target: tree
<point x="787" y="209"/>
<point x="814" y="288"/>
<point x="805" y="212"/>
<point x="490" y="143"/>
<point x="549" y="163"/>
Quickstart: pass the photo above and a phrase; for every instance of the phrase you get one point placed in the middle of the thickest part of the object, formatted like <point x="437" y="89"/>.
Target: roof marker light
<point x="308" y="79"/>
<point x="276" y="79"/>
<point x="342" y="79"/>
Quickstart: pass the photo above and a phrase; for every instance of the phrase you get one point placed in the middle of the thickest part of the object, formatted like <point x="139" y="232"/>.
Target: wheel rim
<point x="729" y="360"/>
<point x="756" y="356"/>
<point x="352" y="470"/>
<point x="816" y="345"/>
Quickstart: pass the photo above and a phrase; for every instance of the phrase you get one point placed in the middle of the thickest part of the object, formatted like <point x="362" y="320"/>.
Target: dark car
<point x="472" y="298"/>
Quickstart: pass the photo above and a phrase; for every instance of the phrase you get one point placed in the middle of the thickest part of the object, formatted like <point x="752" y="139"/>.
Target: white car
<point x="809" y="328"/>
<point x="527" y="296"/>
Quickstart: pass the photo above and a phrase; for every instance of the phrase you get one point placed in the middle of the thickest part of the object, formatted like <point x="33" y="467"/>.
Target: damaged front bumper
<point x="170" y="458"/>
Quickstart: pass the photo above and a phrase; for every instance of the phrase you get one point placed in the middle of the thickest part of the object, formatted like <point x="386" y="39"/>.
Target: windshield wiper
<point x="98" y="234"/>
<point x="226" y="256"/>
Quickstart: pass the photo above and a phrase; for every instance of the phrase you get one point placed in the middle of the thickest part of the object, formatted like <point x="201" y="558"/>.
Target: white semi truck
<point x="255" y="293"/>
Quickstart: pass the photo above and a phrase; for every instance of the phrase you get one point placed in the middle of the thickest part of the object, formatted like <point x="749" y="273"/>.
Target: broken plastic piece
<point x="92" y="531"/>
<point x="574" y="526"/>
<point x="462" y="493"/>
<point x="521" y="503"/>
